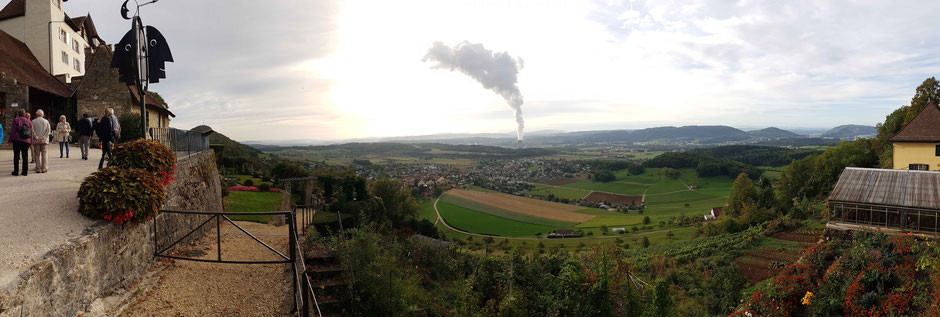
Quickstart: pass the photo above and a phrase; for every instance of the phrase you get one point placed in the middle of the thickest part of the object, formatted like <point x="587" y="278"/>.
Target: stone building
<point x="99" y="89"/>
<point x="24" y="84"/>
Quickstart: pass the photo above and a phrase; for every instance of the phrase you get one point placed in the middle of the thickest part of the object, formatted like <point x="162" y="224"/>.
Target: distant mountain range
<point x="667" y="137"/>
<point x="850" y="131"/>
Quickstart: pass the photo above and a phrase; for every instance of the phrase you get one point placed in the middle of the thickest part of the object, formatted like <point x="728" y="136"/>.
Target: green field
<point x="252" y="202"/>
<point x="663" y="197"/>
<point x="560" y="192"/>
<point x="483" y="223"/>
<point x="502" y="213"/>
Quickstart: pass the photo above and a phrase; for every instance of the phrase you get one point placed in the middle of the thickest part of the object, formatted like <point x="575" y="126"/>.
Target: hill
<point x="233" y="154"/>
<point x="850" y="131"/>
<point x="773" y="133"/>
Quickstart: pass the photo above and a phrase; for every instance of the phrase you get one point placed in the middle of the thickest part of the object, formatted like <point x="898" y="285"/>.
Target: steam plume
<point x="496" y="71"/>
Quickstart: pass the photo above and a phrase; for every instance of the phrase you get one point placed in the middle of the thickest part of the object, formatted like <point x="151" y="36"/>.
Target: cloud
<point x="340" y="69"/>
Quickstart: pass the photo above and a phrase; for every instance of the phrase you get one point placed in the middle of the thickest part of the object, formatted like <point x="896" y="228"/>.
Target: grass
<point x="503" y="213"/>
<point x="252" y="202"/>
<point x="483" y="223"/>
<point x="560" y="192"/>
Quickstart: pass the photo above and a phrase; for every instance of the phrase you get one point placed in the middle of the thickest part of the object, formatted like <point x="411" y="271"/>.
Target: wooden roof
<point x="16" y="8"/>
<point x="902" y="188"/>
<point x="925" y="127"/>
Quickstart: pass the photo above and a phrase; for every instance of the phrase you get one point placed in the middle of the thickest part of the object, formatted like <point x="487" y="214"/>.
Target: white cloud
<point x="331" y="70"/>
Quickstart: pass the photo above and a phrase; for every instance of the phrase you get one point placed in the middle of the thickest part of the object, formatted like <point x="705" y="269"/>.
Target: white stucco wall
<point x="38" y="33"/>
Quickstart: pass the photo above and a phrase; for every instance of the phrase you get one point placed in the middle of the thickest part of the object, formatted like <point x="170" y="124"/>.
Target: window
<point x="918" y="167"/>
<point x="76" y="64"/>
<point x="65" y="57"/>
<point x="63" y="36"/>
<point x="937" y="151"/>
<point x="75" y="46"/>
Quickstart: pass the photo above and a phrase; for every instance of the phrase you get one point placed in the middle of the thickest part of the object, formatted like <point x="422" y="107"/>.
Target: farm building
<point x="714" y="213"/>
<point x="904" y="200"/>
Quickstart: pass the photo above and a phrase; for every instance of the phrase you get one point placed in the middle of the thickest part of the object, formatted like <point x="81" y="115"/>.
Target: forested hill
<point x="233" y="154"/>
<point x="773" y="133"/>
<point x="422" y="150"/>
<point x="850" y="131"/>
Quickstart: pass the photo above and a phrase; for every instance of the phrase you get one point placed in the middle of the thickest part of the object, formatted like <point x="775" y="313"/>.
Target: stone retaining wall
<point x="107" y="258"/>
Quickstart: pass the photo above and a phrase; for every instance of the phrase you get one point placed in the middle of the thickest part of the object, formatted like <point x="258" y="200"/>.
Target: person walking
<point x="106" y="137"/>
<point x="41" y="132"/>
<point x="63" y="135"/>
<point x="84" y="134"/>
<point x="115" y="125"/>
<point x="21" y="136"/>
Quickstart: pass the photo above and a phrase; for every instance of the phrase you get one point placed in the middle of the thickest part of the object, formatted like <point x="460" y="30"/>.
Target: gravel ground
<point x="40" y="211"/>
<point x="187" y="288"/>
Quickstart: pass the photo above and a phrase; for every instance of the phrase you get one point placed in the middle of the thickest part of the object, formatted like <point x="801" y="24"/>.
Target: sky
<point x="332" y="70"/>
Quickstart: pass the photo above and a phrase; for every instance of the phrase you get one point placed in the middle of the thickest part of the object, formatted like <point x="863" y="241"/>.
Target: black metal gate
<point x="303" y="289"/>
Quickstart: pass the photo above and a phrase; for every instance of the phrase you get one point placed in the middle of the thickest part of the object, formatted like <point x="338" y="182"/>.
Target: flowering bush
<point x="151" y="156"/>
<point x="784" y="295"/>
<point x="121" y="195"/>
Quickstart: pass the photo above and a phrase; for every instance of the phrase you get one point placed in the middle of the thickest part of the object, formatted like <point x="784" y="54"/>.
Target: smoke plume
<point x="496" y="71"/>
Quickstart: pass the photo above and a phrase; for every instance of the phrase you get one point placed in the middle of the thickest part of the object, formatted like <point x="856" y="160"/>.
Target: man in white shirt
<point x="41" y="132"/>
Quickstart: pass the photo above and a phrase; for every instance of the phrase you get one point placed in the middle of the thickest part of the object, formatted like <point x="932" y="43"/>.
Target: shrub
<point x="121" y="195"/>
<point x="248" y="182"/>
<point x="151" y="156"/>
<point x="130" y="130"/>
<point x="265" y="187"/>
<point x="265" y="179"/>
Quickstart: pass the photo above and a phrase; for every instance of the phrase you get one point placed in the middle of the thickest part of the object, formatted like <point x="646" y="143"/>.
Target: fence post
<point x="292" y="238"/>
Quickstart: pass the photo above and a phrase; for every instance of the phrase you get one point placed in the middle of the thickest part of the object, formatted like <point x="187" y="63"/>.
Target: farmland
<point x="663" y="197"/>
<point x="524" y="206"/>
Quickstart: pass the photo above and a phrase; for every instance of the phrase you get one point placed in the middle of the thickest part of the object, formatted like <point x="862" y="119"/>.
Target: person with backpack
<point x="106" y="137"/>
<point x="21" y="136"/>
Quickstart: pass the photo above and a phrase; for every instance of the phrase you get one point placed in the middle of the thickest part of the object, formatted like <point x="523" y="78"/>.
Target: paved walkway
<point x="40" y="212"/>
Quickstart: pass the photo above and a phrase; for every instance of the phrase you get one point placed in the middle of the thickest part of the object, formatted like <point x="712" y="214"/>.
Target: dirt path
<point x="187" y="288"/>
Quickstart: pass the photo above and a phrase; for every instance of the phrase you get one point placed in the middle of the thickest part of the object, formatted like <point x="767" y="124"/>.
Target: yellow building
<point x="917" y="145"/>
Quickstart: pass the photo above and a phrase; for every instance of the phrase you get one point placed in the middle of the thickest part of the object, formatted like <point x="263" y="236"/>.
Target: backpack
<point x="25" y="132"/>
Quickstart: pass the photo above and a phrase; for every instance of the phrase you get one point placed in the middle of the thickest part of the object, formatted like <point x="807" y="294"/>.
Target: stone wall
<point x="107" y="258"/>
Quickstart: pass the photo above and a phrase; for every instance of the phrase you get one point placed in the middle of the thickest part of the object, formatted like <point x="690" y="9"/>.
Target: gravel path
<point x="187" y="288"/>
<point x="40" y="212"/>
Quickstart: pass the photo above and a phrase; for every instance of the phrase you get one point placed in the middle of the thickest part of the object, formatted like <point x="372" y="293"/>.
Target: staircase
<point x="328" y="280"/>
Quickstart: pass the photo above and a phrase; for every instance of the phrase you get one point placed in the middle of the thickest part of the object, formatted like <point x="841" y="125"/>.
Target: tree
<point x="395" y="203"/>
<point x="765" y="193"/>
<point x="287" y="169"/>
<point x="646" y="220"/>
<point x="604" y="230"/>
<point x="927" y="92"/>
<point x="604" y="176"/>
<point x="724" y="287"/>
<point x="742" y="192"/>
<point x="646" y="242"/>
<point x="669" y="173"/>
<point x="662" y="304"/>
<point x="670" y="234"/>
<point x="887" y="130"/>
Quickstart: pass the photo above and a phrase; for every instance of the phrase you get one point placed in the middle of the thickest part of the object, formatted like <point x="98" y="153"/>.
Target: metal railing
<point x="183" y="142"/>
<point x="302" y="276"/>
<point x="303" y="288"/>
